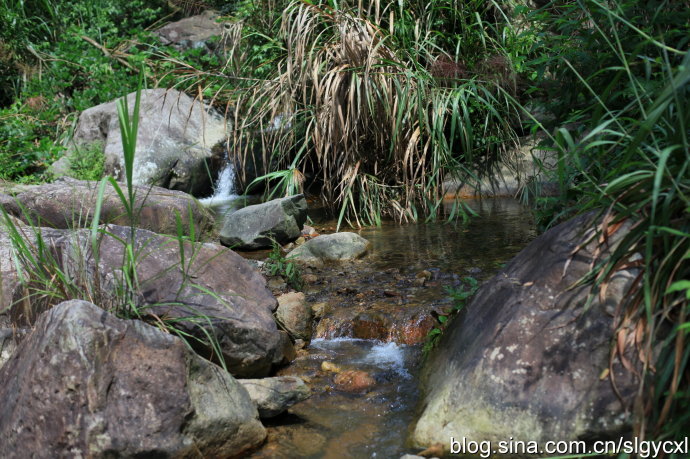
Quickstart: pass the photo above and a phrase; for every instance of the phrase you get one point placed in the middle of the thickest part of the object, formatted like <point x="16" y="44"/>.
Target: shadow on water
<point x="338" y="424"/>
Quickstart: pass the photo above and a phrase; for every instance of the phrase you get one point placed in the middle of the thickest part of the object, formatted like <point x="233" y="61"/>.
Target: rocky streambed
<point x="346" y="351"/>
<point x="372" y="316"/>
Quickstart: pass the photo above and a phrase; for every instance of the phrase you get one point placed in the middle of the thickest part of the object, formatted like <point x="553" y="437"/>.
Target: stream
<point x="378" y="311"/>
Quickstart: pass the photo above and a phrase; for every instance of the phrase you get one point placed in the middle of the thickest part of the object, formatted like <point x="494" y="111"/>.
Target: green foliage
<point x="51" y="66"/>
<point x="617" y="77"/>
<point x="460" y="295"/>
<point x="87" y="162"/>
<point x="43" y="33"/>
<point x="26" y="147"/>
<point x="278" y="265"/>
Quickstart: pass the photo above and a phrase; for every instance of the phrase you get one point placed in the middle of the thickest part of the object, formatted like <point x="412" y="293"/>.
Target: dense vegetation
<point x="373" y="104"/>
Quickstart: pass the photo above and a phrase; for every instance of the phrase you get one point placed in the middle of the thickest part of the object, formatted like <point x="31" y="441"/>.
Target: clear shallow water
<point x="336" y="424"/>
<point x="501" y="229"/>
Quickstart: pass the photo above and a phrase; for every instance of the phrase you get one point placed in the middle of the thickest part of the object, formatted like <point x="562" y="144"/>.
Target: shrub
<point x="364" y="103"/>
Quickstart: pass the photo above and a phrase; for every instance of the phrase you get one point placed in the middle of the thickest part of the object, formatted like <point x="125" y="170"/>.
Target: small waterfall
<point x="224" y="193"/>
<point x="225" y="186"/>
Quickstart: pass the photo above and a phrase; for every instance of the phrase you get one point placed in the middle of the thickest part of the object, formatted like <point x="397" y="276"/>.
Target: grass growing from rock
<point x="47" y="278"/>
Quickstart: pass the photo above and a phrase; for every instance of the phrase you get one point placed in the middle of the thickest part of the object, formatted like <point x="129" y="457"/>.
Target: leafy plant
<point x="460" y="295"/>
<point x="370" y="102"/>
<point x="87" y="163"/>
<point x="278" y="265"/>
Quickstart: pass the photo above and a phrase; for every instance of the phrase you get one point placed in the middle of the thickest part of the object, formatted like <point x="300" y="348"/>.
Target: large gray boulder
<point x="529" y="356"/>
<point x="274" y="396"/>
<point x="174" y="143"/>
<point x="70" y="203"/>
<point x="330" y="248"/>
<point x="255" y="227"/>
<point x="87" y="384"/>
<point x="205" y="289"/>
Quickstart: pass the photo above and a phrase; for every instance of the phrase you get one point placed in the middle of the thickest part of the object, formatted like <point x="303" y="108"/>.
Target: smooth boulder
<point x="529" y="356"/>
<point x="87" y="384"/>
<point x="330" y="248"/>
<point x="70" y="203"/>
<point x="256" y="227"/>
<point x="174" y="143"/>
<point x="274" y="396"/>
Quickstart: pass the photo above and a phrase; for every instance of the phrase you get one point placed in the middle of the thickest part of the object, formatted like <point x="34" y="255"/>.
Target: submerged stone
<point x="274" y="396"/>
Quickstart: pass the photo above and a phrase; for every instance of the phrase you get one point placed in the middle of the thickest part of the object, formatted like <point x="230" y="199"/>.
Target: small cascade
<point x="224" y="189"/>
<point x="225" y="186"/>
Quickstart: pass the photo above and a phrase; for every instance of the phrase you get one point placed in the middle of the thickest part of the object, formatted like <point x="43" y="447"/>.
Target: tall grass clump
<point x="621" y="70"/>
<point x="375" y="104"/>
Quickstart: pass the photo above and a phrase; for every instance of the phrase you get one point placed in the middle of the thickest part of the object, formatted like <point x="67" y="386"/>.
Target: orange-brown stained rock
<point x="354" y="381"/>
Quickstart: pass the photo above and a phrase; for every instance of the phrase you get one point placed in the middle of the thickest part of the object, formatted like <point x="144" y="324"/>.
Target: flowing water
<point x="224" y="197"/>
<point x="375" y="423"/>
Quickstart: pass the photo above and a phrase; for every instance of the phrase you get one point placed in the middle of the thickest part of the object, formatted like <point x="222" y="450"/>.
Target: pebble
<point x="330" y="366"/>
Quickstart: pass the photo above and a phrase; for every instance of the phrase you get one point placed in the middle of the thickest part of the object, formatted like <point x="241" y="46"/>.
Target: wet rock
<point x="330" y="366"/>
<point x="86" y="384"/>
<point x="274" y="396"/>
<point x="277" y="284"/>
<point x="294" y="314"/>
<point x="433" y="451"/>
<point x="319" y="309"/>
<point x="370" y="326"/>
<point x="354" y="381"/>
<point x="256" y="227"/>
<point x="413" y="330"/>
<point x="288" y="350"/>
<point x="70" y="203"/>
<point x="331" y="247"/>
<point x="294" y="440"/>
<point x="423" y="275"/>
<point x="310" y="278"/>
<point x="528" y="356"/>
<point x="174" y="144"/>
<point x="308" y="232"/>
